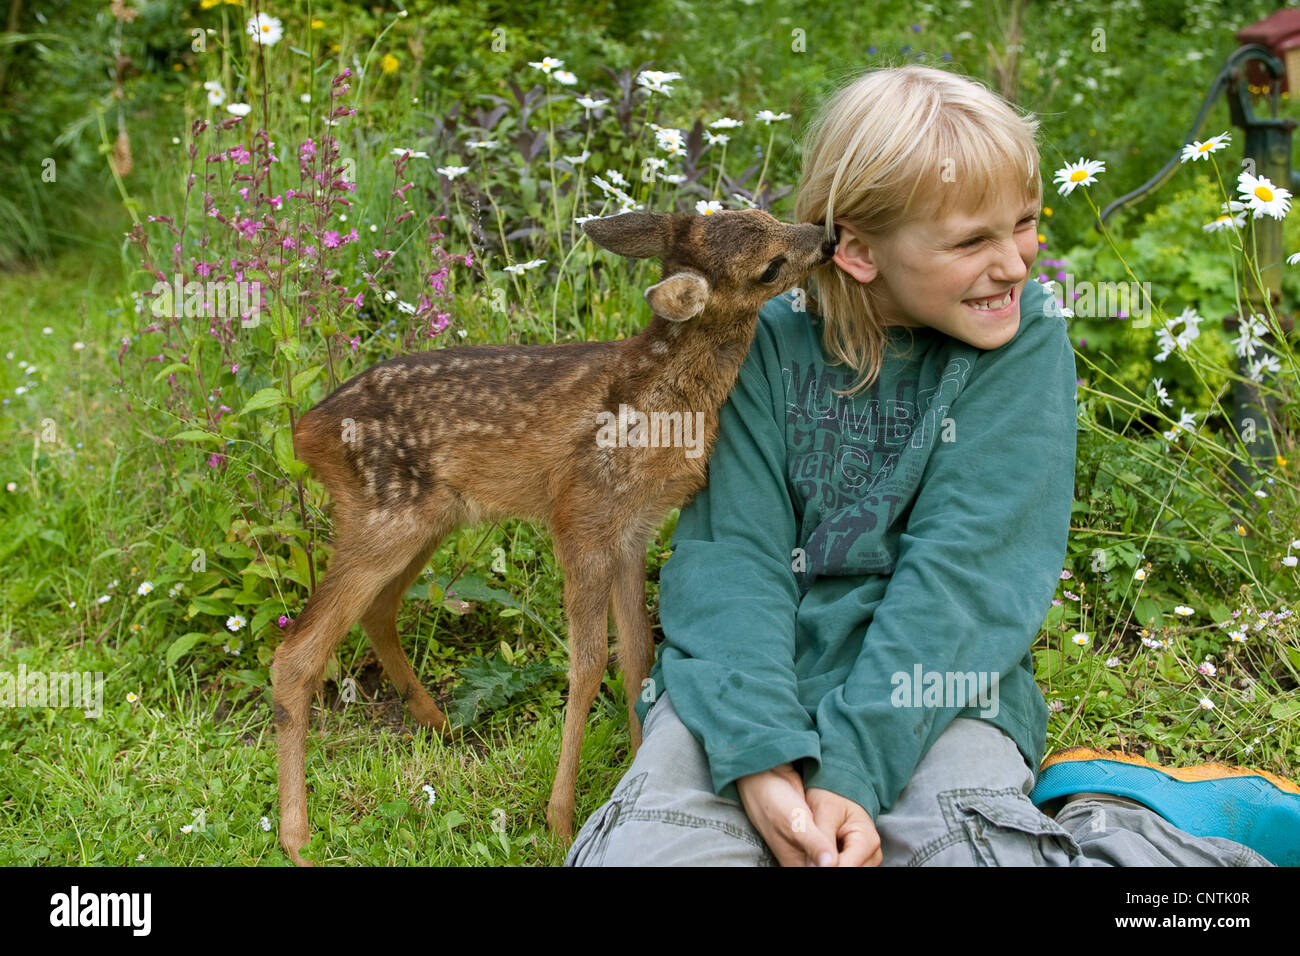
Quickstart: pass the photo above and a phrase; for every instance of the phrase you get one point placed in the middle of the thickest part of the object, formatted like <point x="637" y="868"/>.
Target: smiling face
<point x="961" y="274"/>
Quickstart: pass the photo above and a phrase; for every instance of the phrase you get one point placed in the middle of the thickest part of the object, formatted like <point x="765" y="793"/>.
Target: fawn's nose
<point x="828" y="249"/>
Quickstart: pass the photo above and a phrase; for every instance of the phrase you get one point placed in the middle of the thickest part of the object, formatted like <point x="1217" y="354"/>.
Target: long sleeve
<point x="976" y="567"/>
<point x="728" y="596"/>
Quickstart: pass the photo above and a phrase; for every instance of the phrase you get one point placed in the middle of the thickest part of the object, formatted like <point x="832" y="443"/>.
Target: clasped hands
<point x="812" y="827"/>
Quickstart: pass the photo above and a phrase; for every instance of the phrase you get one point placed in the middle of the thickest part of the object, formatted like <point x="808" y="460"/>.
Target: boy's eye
<point x="976" y="240"/>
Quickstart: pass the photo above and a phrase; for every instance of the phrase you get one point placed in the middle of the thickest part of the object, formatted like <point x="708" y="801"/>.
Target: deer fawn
<point x="421" y="444"/>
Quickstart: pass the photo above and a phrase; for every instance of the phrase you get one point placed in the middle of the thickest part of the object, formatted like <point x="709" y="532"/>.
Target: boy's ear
<point x="854" y="255"/>
<point x="680" y="297"/>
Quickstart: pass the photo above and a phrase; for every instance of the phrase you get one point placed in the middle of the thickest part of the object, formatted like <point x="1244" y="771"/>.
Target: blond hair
<point x="885" y="150"/>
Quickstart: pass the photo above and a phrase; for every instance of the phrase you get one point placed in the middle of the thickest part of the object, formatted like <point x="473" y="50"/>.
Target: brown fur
<point x="420" y="444"/>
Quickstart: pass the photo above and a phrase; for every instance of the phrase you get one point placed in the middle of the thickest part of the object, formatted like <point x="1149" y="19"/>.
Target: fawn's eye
<point x="773" y="270"/>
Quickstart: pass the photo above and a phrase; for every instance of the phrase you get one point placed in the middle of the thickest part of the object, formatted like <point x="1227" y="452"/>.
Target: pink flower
<point x="1066" y="575"/>
<point x="331" y="239"/>
<point x="239" y="155"/>
<point x="1071" y="596"/>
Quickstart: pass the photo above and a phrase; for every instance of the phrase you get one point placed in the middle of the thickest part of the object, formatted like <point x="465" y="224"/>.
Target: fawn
<point x="424" y="443"/>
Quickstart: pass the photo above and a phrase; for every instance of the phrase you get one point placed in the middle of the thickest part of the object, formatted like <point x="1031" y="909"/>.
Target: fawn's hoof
<point x="560" y="822"/>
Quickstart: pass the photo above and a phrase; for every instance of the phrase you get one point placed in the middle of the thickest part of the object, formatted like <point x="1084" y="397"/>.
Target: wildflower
<point x="565" y="77"/>
<point x="1112" y="662"/>
<point x="1056" y="706"/>
<point x="105" y="598"/>
<point x="451" y="172"/>
<point x="1140" y="574"/>
<point x="703" y="208"/>
<point x="415" y="154"/>
<point x="1290" y="561"/>
<point x="131" y="698"/>
<point x="1161" y="395"/>
<point x="235" y="622"/>
<point x="1187" y="420"/>
<point x="144" y="588"/>
<point x="1081" y="639"/>
<point x="1261" y="196"/>
<point x="216" y="95"/>
<point x="656" y="81"/>
<point x="175" y="589"/>
<point x="671" y="141"/>
<point x="1184" y="611"/>
<point x="433" y="794"/>
<point x="140" y="858"/>
<point x="588" y="104"/>
<point x="239" y="109"/>
<point x="1293" y="258"/>
<point x="187" y="828"/>
<point x="1151" y="643"/>
<point x="1268" y="363"/>
<point x="1078" y="174"/>
<point x="1233" y="215"/>
<point x="768" y="117"/>
<point x="1072" y="596"/>
<point x="1208" y="669"/>
<point x="482" y="143"/>
<point x="525" y="266"/>
<point x="1196" y="150"/>
<point x="1250" y="335"/>
<point x="547" y="64"/>
<point x="265" y="30"/>
<point x="266" y="824"/>
<point x="12" y="486"/>
<point x="1241" y="530"/>
<point x="1066" y="574"/>
<point x="1207" y="704"/>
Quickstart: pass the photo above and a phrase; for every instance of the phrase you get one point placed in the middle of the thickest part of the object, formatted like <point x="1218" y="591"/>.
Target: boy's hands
<point x="813" y="828"/>
<point x="846" y="824"/>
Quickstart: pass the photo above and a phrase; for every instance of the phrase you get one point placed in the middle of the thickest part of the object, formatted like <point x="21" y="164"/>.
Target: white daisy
<point x="703" y="208"/>
<point x="656" y="81"/>
<point x="1082" y="173"/>
<point x="1197" y="150"/>
<point x="265" y="30"/>
<point x="1260" y="195"/>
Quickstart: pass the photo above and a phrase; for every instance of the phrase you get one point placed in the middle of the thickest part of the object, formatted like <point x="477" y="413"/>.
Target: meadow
<point x="398" y="177"/>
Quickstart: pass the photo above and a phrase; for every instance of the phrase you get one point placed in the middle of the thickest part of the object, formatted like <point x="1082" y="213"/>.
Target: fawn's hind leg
<point x="380" y="622"/>
<point x="635" y="637"/>
<point x="588" y="577"/>
<point x="364" y="562"/>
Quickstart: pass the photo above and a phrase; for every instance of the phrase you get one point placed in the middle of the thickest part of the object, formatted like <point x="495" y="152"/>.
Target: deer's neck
<point x="693" y="364"/>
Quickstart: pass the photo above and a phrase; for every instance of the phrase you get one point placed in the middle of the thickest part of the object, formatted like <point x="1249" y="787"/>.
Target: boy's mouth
<point x="993" y="305"/>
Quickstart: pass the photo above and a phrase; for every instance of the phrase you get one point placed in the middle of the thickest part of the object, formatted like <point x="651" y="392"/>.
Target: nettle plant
<point x="1187" y="537"/>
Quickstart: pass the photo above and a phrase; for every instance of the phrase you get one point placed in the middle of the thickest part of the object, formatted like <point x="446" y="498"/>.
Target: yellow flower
<point x="1047" y="210"/>
<point x="1241" y="530"/>
<point x="209" y="4"/>
<point x="1281" y="462"/>
<point x="334" y="48"/>
<point x="317" y="24"/>
<point x="389" y="63"/>
<point x="131" y="698"/>
<point x="1041" y="237"/>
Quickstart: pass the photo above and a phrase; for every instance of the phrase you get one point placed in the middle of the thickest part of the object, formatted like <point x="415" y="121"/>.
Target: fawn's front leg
<point x="587" y="583"/>
<point x="635" y="636"/>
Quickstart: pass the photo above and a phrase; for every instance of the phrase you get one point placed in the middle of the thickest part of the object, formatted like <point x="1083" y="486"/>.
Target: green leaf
<point x="283" y="445"/>
<point x="182" y="645"/>
<point x="195" y="434"/>
<point x="303" y="379"/>
<point x="174" y="367"/>
<point x="490" y="683"/>
<point x="265" y="398"/>
<point x="471" y="587"/>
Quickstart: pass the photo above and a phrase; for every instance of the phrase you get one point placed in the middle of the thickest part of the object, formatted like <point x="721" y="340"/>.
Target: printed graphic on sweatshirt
<point x="856" y="461"/>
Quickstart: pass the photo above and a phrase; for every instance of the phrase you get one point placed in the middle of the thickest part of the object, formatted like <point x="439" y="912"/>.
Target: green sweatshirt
<point x="860" y="571"/>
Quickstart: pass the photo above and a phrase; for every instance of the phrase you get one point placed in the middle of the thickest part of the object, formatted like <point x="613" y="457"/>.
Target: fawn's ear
<point x="680" y="297"/>
<point x="637" y="235"/>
